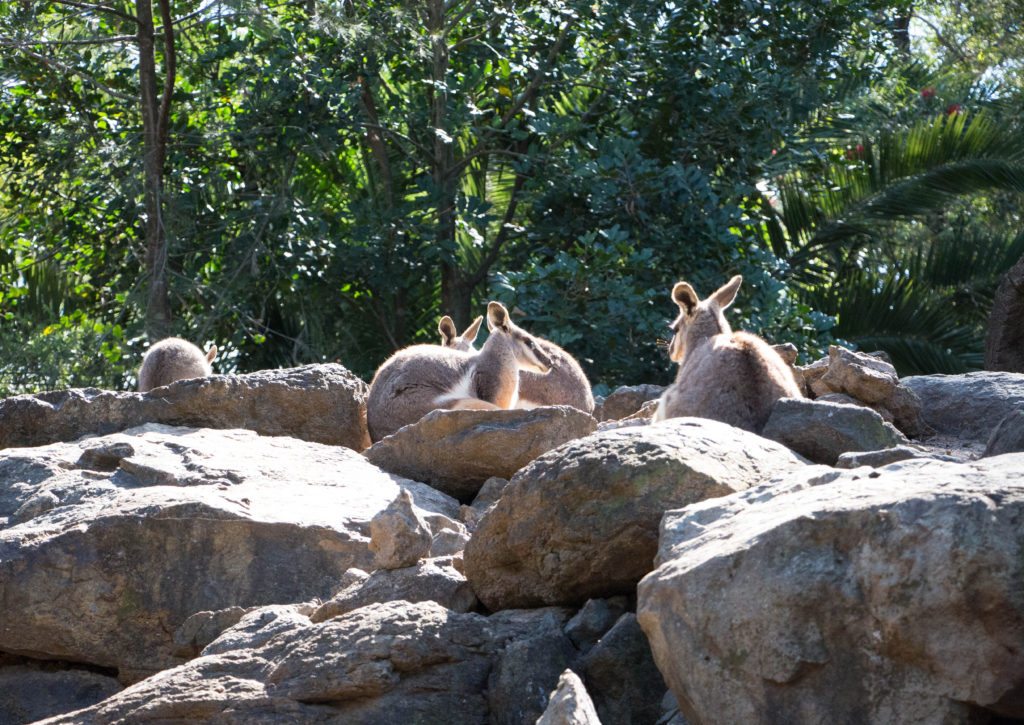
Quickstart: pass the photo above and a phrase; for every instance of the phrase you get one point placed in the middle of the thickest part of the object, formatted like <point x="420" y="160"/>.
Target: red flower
<point x="860" y="149"/>
<point x="928" y="92"/>
<point x="953" y="108"/>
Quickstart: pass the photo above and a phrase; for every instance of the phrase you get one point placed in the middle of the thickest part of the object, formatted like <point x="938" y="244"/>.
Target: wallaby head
<point x="451" y="338"/>
<point x="528" y="352"/>
<point x="174" y="359"/>
<point x="699" y="319"/>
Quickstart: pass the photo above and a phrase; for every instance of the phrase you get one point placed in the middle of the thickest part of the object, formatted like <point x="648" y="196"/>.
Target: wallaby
<point x="422" y="378"/>
<point x="734" y="377"/>
<point x="174" y="359"/>
<point x="564" y="384"/>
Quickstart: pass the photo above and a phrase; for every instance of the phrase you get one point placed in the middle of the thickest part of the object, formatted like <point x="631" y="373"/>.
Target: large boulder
<point x="102" y="566"/>
<point x="569" y="704"/>
<point x="582" y="520"/>
<point x="31" y="691"/>
<point x="870" y="596"/>
<point x="968" y="406"/>
<point x="319" y="403"/>
<point x="626" y="400"/>
<point x="1004" y="341"/>
<point x="382" y="664"/>
<point x="456" y="451"/>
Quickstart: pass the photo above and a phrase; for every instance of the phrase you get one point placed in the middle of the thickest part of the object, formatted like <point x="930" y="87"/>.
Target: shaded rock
<point x="595" y="618"/>
<point x="399" y="536"/>
<point x="1004" y="339"/>
<point x="381" y="664"/>
<point x="202" y="520"/>
<point x="888" y="597"/>
<point x="488" y="495"/>
<point x="199" y="630"/>
<point x="581" y="522"/>
<point x="967" y="406"/>
<point x="626" y="400"/>
<point x="886" y="456"/>
<point x="428" y="581"/>
<point x="457" y="450"/>
<point x="319" y="403"/>
<point x="1008" y="436"/>
<point x="621" y="676"/>
<point x="569" y="704"/>
<point x="787" y="351"/>
<point x="822" y="431"/>
<point x="34" y="691"/>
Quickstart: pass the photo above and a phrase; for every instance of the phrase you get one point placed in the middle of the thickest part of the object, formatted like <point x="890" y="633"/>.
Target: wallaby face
<point x="699" y="319"/>
<point x="528" y="353"/>
<point x="451" y="338"/>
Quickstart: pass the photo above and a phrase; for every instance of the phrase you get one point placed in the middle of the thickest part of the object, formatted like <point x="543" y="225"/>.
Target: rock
<point x="967" y="406"/>
<point x="581" y="521"/>
<point x="905" y="408"/>
<point x="1004" y="340"/>
<point x="621" y="676"/>
<point x="30" y="692"/>
<point x="822" y="431"/>
<point x="196" y="632"/>
<point x="1008" y="436"/>
<point x="626" y="400"/>
<point x="397" y="662"/>
<point x="886" y="456"/>
<point x="595" y="618"/>
<point x="787" y="351"/>
<point x="193" y="521"/>
<point x="488" y="495"/>
<point x="844" y="597"/>
<point x="399" y="536"/>
<point x="319" y="403"/>
<point x="428" y="581"/>
<point x="457" y="450"/>
<point x="569" y="704"/>
<point x="859" y="375"/>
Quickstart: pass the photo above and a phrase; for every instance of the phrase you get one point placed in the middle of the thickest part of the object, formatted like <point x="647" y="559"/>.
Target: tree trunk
<point x="1004" y="344"/>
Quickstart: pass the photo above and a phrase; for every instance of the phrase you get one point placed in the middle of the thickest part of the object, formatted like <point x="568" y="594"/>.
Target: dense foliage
<point x="334" y="176"/>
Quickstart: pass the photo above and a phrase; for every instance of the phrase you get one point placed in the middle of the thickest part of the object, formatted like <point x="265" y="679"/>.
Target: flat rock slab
<point x="378" y="665"/>
<point x="581" y="521"/>
<point x="455" y="451"/>
<point x="319" y="403"/>
<point x="968" y="406"/>
<point x="885" y="596"/>
<point x="102" y="566"/>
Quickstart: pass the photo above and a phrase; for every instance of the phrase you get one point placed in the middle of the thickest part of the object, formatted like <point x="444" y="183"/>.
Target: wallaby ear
<point x="685" y="296"/>
<point x="473" y="330"/>
<point x="212" y="354"/>
<point x="727" y="292"/>
<point x="497" y="316"/>
<point x="446" y="326"/>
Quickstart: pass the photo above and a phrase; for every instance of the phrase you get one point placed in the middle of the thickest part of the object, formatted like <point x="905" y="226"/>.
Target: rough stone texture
<point x="889" y="596"/>
<point x="888" y="455"/>
<point x="194" y="520"/>
<point x="30" y="692"/>
<point x="621" y="676"/>
<point x="196" y="632"/>
<point x="399" y="535"/>
<point x="378" y="665"/>
<point x="457" y="450"/>
<point x="429" y="581"/>
<point x="1008" y="436"/>
<point x="1004" y="341"/>
<point x="823" y="431"/>
<point x="595" y="618"/>
<point x="626" y="400"/>
<point x="319" y="403"/>
<point x="582" y="521"/>
<point x="569" y="704"/>
<point x="968" y="406"/>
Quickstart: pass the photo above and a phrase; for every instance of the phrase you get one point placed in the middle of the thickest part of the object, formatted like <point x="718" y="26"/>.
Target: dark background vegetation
<point x="319" y="181"/>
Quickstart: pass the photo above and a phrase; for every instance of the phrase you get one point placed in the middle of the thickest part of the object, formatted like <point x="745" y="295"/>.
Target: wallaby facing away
<point x="422" y="378"/>
<point x="174" y="359"/>
<point x="734" y="377"/>
<point x="564" y="384"/>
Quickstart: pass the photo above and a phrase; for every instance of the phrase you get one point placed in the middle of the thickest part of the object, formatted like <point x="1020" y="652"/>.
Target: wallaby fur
<point x="734" y="377"/>
<point x="564" y="384"/>
<point x="422" y="378"/>
<point x="174" y="359"/>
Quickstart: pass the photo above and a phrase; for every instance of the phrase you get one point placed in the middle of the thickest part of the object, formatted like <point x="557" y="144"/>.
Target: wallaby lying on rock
<point x="174" y="359"/>
<point x="734" y="377"/>
<point x="564" y="384"/>
<point x="422" y="378"/>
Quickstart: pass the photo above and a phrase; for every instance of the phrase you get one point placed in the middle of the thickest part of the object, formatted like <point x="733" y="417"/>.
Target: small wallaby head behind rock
<point x="734" y="377"/>
<point x="422" y="378"/>
<point x="451" y="338"/>
<point x="174" y="359"/>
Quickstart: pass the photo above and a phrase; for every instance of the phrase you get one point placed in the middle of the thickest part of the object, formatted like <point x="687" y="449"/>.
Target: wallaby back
<point x="174" y="359"/>
<point x="734" y="377"/>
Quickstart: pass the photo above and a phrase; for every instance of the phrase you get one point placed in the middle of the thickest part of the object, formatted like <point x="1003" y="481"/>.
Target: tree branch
<point x="170" y="70"/>
<point x="57" y="65"/>
<point x="98" y="8"/>
<point x="84" y="41"/>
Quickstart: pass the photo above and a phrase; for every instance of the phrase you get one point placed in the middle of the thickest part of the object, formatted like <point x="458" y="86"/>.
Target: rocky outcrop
<point x="626" y="400"/>
<point x="385" y="663"/>
<point x="319" y="403"/>
<point x="457" y="450"/>
<point x="1004" y="341"/>
<point x="30" y="692"/>
<point x="582" y="520"/>
<point x="102" y="566"/>
<point x="846" y="596"/>
<point x="969" y="406"/>
<point x="1008" y="436"/>
<point x="569" y="704"/>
